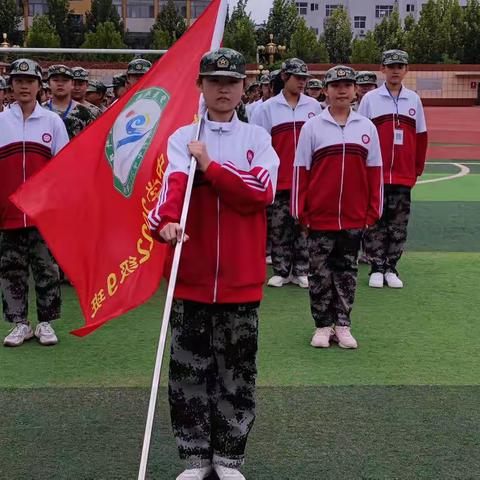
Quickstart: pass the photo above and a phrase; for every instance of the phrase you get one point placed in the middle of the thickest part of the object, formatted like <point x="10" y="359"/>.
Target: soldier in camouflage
<point x="79" y="91"/>
<point x="314" y="88"/>
<point x="119" y="84"/>
<point x="366" y="81"/>
<point x="75" y="116"/>
<point x="96" y="92"/>
<point x="136" y="69"/>
<point x="29" y="137"/>
<point x="215" y="317"/>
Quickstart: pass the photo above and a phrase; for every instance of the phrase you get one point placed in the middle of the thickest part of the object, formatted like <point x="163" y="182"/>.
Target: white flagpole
<point x="216" y="40"/>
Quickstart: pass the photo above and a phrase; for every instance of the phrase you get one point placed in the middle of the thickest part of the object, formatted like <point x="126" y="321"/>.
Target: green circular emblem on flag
<point x="131" y="135"/>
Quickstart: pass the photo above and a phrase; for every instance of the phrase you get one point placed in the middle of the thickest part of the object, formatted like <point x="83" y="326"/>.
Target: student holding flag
<point x="221" y="273"/>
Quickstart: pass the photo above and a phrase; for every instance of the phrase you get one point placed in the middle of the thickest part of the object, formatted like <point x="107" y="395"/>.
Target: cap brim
<point x="365" y="83"/>
<point x="327" y="82"/>
<point x="393" y="62"/>
<point x="220" y="73"/>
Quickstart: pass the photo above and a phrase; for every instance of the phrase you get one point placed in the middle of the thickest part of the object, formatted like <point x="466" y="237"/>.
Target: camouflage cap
<point x="265" y="80"/>
<point x="314" y="83"/>
<point x="138" y="66"/>
<point x="366" y="78"/>
<point x="79" y="73"/>
<point x="96" y="86"/>
<point x="274" y="75"/>
<point x="223" y="62"/>
<point x="252" y="86"/>
<point x="119" y="81"/>
<point x="59" y="70"/>
<point x="3" y="83"/>
<point x="391" y="57"/>
<point x="25" y="66"/>
<point x="339" y="73"/>
<point x="295" y="66"/>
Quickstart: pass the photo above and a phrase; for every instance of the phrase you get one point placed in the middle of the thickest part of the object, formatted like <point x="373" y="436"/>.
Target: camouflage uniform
<point x="21" y="249"/>
<point x="212" y="380"/>
<point x="385" y="241"/>
<point x="289" y="243"/>
<point x="333" y="275"/>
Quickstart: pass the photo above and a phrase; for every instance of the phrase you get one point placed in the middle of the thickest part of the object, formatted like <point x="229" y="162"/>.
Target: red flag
<point x="91" y="202"/>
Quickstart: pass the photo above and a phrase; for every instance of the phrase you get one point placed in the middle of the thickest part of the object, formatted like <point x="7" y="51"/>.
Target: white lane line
<point x="464" y="170"/>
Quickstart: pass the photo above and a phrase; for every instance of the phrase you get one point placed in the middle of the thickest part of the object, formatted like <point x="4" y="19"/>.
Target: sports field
<point x="405" y="405"/>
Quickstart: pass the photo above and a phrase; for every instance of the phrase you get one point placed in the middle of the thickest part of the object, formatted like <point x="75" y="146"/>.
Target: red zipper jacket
<point x="224" y="260"/>
<point x="337" y="182"/>
<point x="284" y="123"/>
<point x="404" y="160"/>
<point x="26" y="146"/>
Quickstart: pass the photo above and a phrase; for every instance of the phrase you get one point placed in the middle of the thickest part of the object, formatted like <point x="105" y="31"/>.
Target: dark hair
<point x="277" y="84"/>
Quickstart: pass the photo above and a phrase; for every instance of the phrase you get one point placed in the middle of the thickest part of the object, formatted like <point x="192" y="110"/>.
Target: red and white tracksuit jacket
<point x="337" y="182"/>
<point x="402" y="163"/>
<point x="26" y="146"/>
<point x="224" y="260"/>
<point x="284" y="123"/>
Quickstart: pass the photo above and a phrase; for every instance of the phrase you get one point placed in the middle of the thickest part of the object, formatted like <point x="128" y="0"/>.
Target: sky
<point x="259" y="8"/>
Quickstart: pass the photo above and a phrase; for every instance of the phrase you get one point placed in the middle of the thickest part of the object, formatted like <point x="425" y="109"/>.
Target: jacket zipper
<point x="340" y="197"/>
<point x="24" y="166"/>
<point x="393" y="150"/>
<point x="215" y="289"/>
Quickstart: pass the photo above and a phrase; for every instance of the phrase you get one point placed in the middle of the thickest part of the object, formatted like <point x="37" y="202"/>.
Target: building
<point x="138" y="15"/>
<point x="365" y="14"/>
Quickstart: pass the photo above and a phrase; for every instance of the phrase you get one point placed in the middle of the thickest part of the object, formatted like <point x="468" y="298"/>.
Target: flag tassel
<point x="166" y="317"/>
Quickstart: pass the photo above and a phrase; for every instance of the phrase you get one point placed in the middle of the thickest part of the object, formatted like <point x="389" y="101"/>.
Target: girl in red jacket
<point x="337" y="193"/>
<point x="221" y="273"/>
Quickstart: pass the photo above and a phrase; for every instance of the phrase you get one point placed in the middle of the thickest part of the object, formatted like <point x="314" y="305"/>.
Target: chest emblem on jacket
<point x="311" y="115"/>
<point x="131" y="136"/>
<point x="250" y="156"/>
<point x="365" y="139"/>
<point x="412" y="112"/>
<point x="46" y="138"/>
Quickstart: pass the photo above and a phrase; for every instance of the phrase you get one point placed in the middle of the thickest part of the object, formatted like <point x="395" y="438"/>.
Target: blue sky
<point x="259" y="8"/>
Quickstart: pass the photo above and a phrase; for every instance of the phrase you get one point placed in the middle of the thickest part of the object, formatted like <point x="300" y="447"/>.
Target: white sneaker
<point x="46" y="334"/>
<point x="225" y="473"/>
<point x="268" y="259"/>
<point x="300" y="280"/>
<point x="343" y="336"/>
<point x="18" y="334"/>
<point x="376" y="280"/>
<point x="393" y="281"/>
<point x="195" y="473"/>
<point x="278" y="281"/>
<point x="321" y="337"/>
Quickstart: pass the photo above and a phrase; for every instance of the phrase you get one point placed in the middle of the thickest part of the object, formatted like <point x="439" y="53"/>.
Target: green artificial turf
<point x="302" y="433"/>
<point x="462" y="189"/>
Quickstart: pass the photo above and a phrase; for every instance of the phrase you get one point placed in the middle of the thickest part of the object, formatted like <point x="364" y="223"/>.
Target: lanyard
<point x="65" y="113"/>
<point x="395" y="101"/>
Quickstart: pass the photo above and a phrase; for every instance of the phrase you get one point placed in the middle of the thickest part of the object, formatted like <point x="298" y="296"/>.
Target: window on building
<point x="37" y="8"/>
<point x="139" y="10"/>
<point x="410" y="7"/>
<point x="314" y="7"/>
<point x="383" y="10"/>
<point x="302" y="7"/>
<point x="329" y="9"/>
<point x="359" y="22"/>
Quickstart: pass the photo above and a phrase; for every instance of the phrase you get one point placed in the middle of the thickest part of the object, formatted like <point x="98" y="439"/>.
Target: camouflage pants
<point x="212" y="380"/>
<point x="269" y="230"/>
<point x="20" y="250"/>
<point x="385" y="241"/>
<point x="289" y="243"/>
<point x="333" y="275"/>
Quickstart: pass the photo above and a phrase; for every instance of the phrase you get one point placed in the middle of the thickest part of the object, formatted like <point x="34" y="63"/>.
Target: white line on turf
<point x="464" y="170"/>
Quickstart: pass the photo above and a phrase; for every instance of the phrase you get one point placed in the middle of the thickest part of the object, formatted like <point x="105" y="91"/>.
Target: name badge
<point x="398" y="138"/>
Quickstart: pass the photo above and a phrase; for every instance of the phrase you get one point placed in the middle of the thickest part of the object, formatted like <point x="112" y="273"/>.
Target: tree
<point x="282" y="21"/>
<point x="338" y="36"/>
<point x="471" y="34"/>
<point x="168" y="28"/>
<point x="10" y="18"/>
<point x="106" y="36"/>
<point x="42" y="34"/>
<point x="389" y="33"/>
<point x="305" y="45"/>
<point x="240" y="32"/>
<point x="63" y="21"/>
<point x="366" y="50"/>
<point x="103" y="11"/>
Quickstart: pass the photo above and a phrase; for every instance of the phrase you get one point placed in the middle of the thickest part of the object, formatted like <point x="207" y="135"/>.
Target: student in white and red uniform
<point x="336" y="194"/>
<point x="283" y="117"/>
<point x="397" y="112"/>
<point x="221" y="274"/>
<point x="29" y="137"/>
